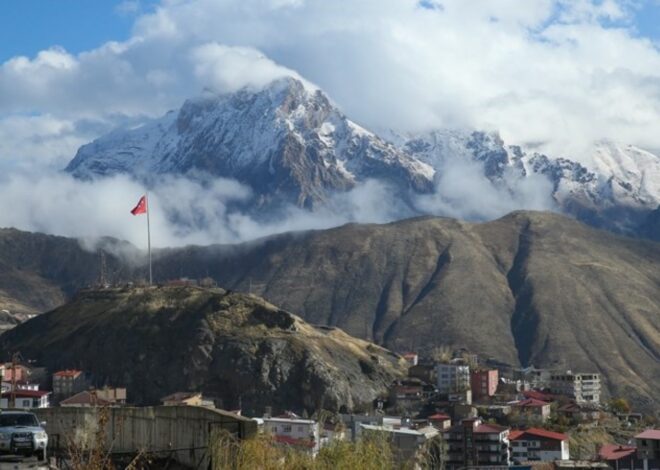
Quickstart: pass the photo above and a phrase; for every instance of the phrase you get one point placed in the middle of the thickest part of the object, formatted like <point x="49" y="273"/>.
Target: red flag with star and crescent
<point x="141" y="207"/>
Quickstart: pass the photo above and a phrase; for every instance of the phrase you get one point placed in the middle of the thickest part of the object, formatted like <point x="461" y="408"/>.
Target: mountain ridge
<point x="529" y="288"/>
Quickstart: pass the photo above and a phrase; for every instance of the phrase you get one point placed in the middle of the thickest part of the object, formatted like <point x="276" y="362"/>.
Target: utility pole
<point x="14" y="362"/>
<point x="102" y="278"/>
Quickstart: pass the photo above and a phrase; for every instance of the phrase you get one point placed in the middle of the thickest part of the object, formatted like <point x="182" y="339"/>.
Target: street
<point x="12" y="462"/>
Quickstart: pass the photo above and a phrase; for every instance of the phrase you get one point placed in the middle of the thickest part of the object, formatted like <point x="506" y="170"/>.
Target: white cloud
<point x="228" y="69"/>
<point x="183" y="211"/>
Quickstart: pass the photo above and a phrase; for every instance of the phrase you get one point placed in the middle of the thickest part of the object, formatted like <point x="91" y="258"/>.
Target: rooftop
<point x="649" y="434"/>
<point x="67" y="373"/>
<point x="537" y="432"/>
<point x="27" y="394"/>
<point x="180" y="396"/>
<point x="615" y="451"/>
<point x="85" y="398"/>
<point x="530" y="403"/>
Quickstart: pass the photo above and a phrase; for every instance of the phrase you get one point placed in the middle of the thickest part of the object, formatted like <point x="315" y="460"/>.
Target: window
<point x="286" y="428"/>
<point x="27" y="403"/>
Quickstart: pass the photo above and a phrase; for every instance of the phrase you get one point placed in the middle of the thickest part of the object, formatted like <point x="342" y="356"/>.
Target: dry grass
<point x="372" y="452"/>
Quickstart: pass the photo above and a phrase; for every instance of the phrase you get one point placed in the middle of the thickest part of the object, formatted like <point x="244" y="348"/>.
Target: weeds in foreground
<point x="372" y="452"/>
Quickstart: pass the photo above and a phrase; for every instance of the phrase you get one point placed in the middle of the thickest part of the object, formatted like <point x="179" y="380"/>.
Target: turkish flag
<point x="141" y="207"/>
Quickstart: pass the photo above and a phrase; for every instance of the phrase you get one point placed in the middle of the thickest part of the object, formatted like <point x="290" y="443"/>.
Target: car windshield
<point x="22" y="419"/>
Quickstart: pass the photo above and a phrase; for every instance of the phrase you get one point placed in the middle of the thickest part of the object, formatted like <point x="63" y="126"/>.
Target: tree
<point x="620" y="405"/>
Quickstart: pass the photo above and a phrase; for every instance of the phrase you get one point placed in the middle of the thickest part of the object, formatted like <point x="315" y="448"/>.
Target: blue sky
<point x="28" y="26"/>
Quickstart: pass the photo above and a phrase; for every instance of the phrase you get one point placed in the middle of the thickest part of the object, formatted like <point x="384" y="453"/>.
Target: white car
<point x="22" y="434"/>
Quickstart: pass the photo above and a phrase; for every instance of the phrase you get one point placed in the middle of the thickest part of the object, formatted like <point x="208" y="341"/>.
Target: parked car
<point x="22" y="434"/>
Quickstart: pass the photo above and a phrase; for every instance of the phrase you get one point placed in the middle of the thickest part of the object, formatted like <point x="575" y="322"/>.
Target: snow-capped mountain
<point x="288" y="142"/>
<point x="616" y="191"/>
<point x="291" y="145"/>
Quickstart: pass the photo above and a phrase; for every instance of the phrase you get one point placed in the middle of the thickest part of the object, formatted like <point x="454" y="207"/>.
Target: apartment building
<point x="452" y="377"/>
<point x="67" y="383"/>
<point x="474" y="443"/>
<point x="580" y="387"/>
<point x="483" y="383"/>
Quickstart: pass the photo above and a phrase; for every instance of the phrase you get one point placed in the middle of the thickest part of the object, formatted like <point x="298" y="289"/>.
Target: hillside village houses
<point x="464" y="407"/>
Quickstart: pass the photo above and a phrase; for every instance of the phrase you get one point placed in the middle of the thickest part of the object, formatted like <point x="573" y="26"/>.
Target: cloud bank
<point x="554" y="74"/>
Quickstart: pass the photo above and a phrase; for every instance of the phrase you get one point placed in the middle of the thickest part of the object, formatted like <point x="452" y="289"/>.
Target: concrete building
<point x="579" y="413"/>
<point x="648" y="448"/>
<point x="580" y="387"/>
<point x="440" y="421"/>
<point x="538" y="444"/>
<point x="26" y="399"/>
<point x="472" y="443"/>
<point x="20" y="372"/>
<point x="453" y="377"/>
<point x="114" y="395"/>
<point x="67" y="383"/>
<point x="406" y="442"/>
<point x="483" y="383"/>
<point x="533" y="408"/>
<point x="303" y="434"/>
<point x="536" y="378"/>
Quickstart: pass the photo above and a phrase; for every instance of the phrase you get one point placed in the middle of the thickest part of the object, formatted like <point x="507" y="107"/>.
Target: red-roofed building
<point x="648" y="448"/>
<point x="85" y="399"/>
<point x="26" y="399"/>
<point x="533" y="407"/>
<point x="473" y="443"/>
<point x="538" y="444"/>
<point x="619" y="457"/>
<point x="440" y="421"/>
<point x="538" y="395"/>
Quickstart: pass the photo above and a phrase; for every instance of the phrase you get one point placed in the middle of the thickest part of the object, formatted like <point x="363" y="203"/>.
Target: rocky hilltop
<point x="235" y="347"/>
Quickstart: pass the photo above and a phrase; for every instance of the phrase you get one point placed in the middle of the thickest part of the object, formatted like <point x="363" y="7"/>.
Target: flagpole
<point x="149" y="237"/>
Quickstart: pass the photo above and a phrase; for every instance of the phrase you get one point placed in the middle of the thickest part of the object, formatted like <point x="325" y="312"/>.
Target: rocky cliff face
<point x="235" y="347"/>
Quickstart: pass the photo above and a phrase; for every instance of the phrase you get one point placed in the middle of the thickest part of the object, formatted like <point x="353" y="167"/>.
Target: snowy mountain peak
<point x="287" y="141"/>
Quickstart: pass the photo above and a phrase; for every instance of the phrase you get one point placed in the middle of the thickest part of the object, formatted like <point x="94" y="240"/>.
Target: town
<point x="453" y="411"/>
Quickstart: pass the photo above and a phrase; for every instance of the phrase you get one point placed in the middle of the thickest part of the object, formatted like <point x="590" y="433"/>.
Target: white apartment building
<point x="538" y="444"/>
<point x="295" y="432"/>
<point x="581" y="387"/>
<point x="453" y="377"/>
